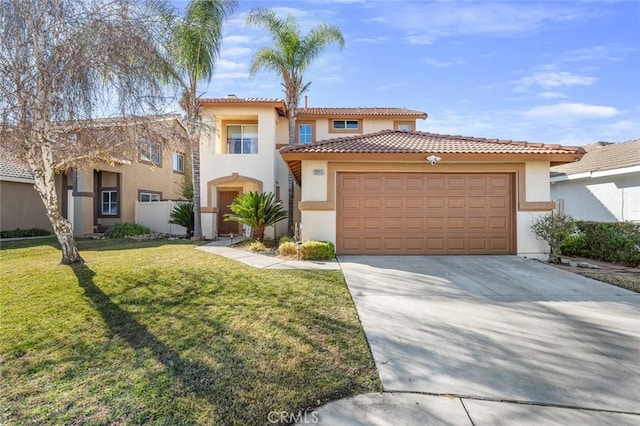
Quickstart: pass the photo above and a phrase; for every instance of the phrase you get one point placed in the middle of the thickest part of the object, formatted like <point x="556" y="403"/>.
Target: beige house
<point x="98" y="196"/>
<point x="409" y="192"/>
<point x="239" y="153"/>
<point x="20" y="204"/>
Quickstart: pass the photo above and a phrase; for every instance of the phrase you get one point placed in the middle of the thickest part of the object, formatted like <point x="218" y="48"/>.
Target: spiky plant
<point x="257" y="210"/>
<point x="183" y="215"/>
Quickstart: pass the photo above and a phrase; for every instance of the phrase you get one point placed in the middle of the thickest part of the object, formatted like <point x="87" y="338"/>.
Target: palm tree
<point x="194" y="45"/>
<point x="289" y="57"/>
<point x="257" y="211"/>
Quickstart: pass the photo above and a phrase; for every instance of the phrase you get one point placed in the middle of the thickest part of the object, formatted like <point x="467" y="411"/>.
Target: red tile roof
<point x="236" y="100"/>
<point x="362" y="111"/>
<point x="601" y="157"/>
<point x="414" y="142"/>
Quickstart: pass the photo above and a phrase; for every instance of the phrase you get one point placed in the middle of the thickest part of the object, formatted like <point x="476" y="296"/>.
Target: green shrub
<point x="612" y="242"/>
<point x="257" y="246"/>
<point x="121" y="230"/>
<point x="285" y="239"/>
<point x="257" y="210"/>
<point x="288" y="248"/>
<point x="576" y="246"/>
<point x="555" y="229"/>
<point x="182" y="215"/>
<point x="22" y="233"/>
<point x="317" y="250"/>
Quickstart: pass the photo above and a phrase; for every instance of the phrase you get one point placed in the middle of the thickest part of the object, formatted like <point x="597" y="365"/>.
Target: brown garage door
<point x="420" y="213"/>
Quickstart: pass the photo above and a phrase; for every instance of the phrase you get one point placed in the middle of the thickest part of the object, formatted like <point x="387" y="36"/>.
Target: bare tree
<point x="62" y="64"/>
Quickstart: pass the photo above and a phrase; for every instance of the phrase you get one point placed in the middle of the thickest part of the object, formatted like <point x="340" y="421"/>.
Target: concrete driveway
<point x="498" y="328"/>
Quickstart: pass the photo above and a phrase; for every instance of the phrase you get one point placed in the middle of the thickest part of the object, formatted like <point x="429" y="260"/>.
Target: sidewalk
<point x="260" y="261"/>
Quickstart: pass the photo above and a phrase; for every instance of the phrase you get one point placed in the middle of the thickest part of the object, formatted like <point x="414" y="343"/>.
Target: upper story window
<point x="242" y="139"/>
<point x="346" y="124"/>
<point x="404" y="125"/>
<point x="151" y="152"/>
<point x="178" y="162"/>
<point x="340" y="125"/>
<point x="305" y="133"/>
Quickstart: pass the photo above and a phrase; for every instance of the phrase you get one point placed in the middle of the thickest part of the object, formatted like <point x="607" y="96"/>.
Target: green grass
<point x="158" y="332"/>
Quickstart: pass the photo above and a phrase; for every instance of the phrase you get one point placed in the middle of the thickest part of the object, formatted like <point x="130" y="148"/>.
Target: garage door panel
<point x="411" y="213"/>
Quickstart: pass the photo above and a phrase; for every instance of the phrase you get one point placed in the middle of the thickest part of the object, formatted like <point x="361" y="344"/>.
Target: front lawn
<point x="157" y="332"/>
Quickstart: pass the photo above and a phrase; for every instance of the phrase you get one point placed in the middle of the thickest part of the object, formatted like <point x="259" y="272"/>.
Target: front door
<point x="225" y="198"/>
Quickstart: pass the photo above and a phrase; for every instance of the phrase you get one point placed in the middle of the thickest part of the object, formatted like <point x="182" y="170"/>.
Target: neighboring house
<point x="20" y="204"/>
<point x="105" y="193"/>
<point x="239" y="150"/>
<point x="603" y="186"/>
<point x="409" y="192"/>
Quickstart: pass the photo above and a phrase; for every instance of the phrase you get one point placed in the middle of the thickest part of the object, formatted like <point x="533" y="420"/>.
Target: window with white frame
<point x="346" y="124"/>
<point x="407" y="127"/>
<point x="178" y="162"/>
<point x="150" y="152"/>
<point x="305" y="133"/>
<point x="147" y="197"/>
<point x="109" y="203"/>
<point x="242" y="138"/>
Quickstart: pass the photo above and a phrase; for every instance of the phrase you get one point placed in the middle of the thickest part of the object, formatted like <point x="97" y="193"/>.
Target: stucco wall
<point x="369" y="125"/>
<point x="21" y="207"/>
<point x="603" y="199"/>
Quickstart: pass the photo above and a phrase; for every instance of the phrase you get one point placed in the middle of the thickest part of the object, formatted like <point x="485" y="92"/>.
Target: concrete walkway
<point x="483" y="340"/>
<point x="260" y="261"/>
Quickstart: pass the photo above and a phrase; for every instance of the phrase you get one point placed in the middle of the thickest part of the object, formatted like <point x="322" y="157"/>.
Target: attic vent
<point x="231" y="96"/>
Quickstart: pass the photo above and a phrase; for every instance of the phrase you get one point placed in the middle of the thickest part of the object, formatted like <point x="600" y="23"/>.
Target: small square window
<point x="407" y="127"/>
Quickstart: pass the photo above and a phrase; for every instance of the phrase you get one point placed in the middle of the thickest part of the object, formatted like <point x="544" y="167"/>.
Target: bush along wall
<point x="609" y="242"/>
<point x="317" y="250"/>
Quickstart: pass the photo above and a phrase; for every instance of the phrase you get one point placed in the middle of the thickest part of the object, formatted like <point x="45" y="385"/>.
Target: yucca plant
<point x="257" y="210"/>
<point x="183" y="215"/>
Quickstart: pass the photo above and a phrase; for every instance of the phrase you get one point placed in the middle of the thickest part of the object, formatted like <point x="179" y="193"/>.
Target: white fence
<point x="156" y="215"/>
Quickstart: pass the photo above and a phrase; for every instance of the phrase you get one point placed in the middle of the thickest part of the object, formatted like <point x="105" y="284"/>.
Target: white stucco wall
<point x="314" y="176"/>
<point x="603" y="199"/>
<point x="528" y="244"/>
<point x="319" y="226"/>
<point x="214" y="164"/>
<point x="537" y="181"/>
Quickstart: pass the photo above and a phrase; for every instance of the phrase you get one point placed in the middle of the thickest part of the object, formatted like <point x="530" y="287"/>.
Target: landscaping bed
<point x="618" y="275"/>
<point x="157" y="332"/>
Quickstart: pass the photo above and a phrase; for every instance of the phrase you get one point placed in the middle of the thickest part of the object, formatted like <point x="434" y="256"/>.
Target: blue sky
<point x="546" y="71"/>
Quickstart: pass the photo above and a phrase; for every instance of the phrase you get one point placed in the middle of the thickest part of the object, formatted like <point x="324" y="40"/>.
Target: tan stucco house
<point x="101" y="194"/>
<point x="239" y="152"/>
<point x="366" y="182"/>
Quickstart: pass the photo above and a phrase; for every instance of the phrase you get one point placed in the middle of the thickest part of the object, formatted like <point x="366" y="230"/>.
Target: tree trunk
<point x="195" y="170"/>
<point x="44" y="176"/>
<point x="292" y="184"/>
<point x="258" y="233"/>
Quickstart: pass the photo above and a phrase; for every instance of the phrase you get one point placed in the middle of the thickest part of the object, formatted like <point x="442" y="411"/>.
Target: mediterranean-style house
<point x="604" y="186"/>
<point x="239" y="153"/>
<point x="371" y="184"/>
<point x="103" y="193"/>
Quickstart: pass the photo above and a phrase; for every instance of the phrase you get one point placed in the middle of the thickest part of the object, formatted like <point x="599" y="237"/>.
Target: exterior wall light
<point x="433" y="159"/>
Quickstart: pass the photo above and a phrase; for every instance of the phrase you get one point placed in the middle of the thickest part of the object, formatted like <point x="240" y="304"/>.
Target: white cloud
<point x="598" y="53"/>
<point x="568" y="111"/>
<point x="234" y="52"/>
<point x="443" y="64"/>
<point x="552" y="95"/>
<point x="371" y="40"/>
<point x="552" y="79"/>
<point x="423" y="23"/>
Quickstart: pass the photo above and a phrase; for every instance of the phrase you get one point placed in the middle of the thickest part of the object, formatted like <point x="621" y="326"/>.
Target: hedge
<point x="317" y="250"/>
<point x="21" y="233"/>
<point x="609" y="242"/>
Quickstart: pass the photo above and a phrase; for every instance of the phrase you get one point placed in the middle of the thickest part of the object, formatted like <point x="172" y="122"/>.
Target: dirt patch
<point x="610" y="273"/>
